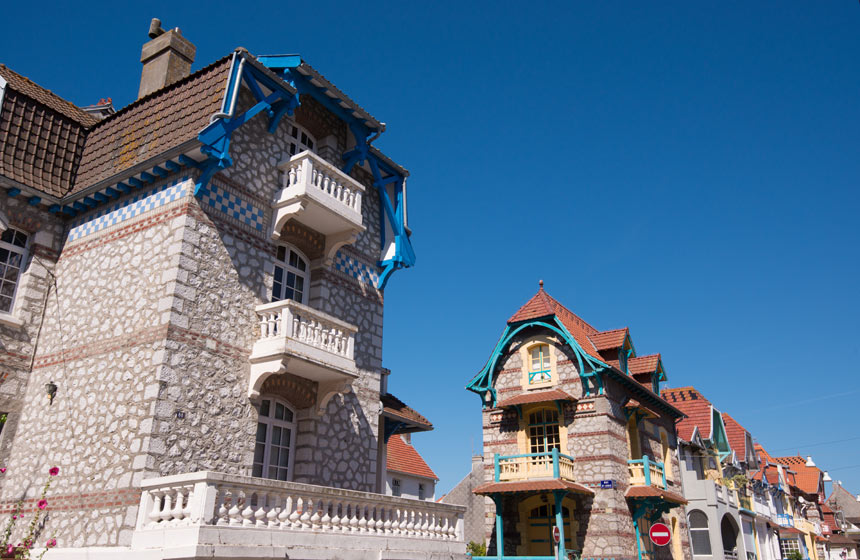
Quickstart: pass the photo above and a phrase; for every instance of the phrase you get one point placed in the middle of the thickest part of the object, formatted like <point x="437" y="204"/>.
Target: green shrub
<point x="476" y="549"/>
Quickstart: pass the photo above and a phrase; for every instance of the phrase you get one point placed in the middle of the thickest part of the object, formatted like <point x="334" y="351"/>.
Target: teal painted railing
<point x="533" y="465"/>
<point x="647" y="472"/>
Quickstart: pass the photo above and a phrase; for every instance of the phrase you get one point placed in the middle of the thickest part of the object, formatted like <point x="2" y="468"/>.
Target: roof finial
<point x="540" y="282"/>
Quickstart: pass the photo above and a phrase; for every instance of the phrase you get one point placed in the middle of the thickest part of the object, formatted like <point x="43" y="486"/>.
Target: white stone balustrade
<point x="207" y="508"/>
<point x="320" y="196"/>
<point x="306" y="342"/>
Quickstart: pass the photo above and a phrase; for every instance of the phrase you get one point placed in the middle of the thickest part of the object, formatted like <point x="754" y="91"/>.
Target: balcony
<point x="645" y="472"/>
<point x="533" y="465"/>
<point x="804" y="526"/>
<point x="297" y="339"/>
<point x="207" y="514"/>
<point x="785" y="520"/>
<point x="745" y="502"/>
<point x="320" y="196"/>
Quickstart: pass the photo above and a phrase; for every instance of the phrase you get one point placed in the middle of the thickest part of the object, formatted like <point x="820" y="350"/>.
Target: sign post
<point x="660" y="534"/>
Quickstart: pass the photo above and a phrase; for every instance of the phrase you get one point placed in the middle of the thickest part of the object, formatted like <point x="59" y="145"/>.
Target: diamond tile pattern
<point x="356" y="269"/>
<point x="127" y="209"/>
<point x="237" y="208"/>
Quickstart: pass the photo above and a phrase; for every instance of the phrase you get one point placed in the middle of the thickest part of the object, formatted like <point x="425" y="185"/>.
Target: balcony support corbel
<point x="328" y="389"/>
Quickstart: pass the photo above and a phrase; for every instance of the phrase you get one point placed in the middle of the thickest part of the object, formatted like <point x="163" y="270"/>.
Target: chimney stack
<point x="166" y="58"/>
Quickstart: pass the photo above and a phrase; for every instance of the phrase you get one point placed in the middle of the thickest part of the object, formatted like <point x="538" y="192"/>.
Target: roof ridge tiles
<point x="53" y="101"/>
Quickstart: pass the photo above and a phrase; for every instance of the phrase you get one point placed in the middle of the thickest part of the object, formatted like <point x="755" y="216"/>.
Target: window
<point x="421" y="495"/>
<point x="789" y="545"/>
<point x="291" y="275"/>
<point x="543" y="431"/>
<point x="300" y="141"/>
<point x="13" y="245"/>
<point x="276" y="430"/>
<point x="699" y="534"/>
<point x="395" y="486"/>
<point x="539" y="370"/>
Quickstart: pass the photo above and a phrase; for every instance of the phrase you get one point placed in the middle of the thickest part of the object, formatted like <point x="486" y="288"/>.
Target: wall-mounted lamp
<point x="51" y="389"/>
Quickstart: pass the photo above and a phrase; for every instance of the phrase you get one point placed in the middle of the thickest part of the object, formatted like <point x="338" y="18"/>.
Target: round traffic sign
<point x="556" y="534"/>
<point x="660" y="534"/>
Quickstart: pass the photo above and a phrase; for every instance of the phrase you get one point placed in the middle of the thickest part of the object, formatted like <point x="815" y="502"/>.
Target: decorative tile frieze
<point x="356" y="269"/>
<point x="129" y="208"/>
<point x="233" y="206"/>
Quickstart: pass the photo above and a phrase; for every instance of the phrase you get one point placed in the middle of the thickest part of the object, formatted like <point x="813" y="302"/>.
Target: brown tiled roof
<point x="527" y="486"/>
<point x="697" y="408"/>
<point x="395" y="408"/>
<point x="789" y="531"/>
<point x="842" y="539"/>
<point x="41" y="135"/>
<point x="153" y="124"/>
<point x="737" y="436"/>
<point x="805" y="478"/>
<point x="607" y="340"/>
<point x="404" y="458"/>
<point x="535" y="397"/>
<point x="652" y="492"/>
<point x="633" y="404"/>
<point x="643" y="364"/>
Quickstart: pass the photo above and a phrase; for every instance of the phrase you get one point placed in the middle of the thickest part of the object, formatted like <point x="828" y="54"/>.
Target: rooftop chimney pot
<point x="166" y="58"/>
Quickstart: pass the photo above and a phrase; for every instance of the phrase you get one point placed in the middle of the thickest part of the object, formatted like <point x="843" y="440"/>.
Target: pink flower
<point x="54" y="471"/>
<point x="10" y="549"/>
<point x="2" y="470"/>
<point x="51" y="543"/>
<point x="43" y="503"/>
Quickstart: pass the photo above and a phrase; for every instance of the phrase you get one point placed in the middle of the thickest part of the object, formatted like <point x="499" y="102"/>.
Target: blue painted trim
<point x="78" y="205"/>
<point x="100" y="197"/>
<point x="55" y="208"/>
<point x="172" y="166"/>
<point x="13" y="192"/>
<point x="70" y="211"/>
<point x="124" y="188"/>
<point x="160" y="171"/>
<point x="91" y="202"/>
<point x="34" y="200"/>
<point x="135" y="182"/>
<point x="189" y="162"/>
<point x="147" y="177"/>
<point x="113" y="193"/>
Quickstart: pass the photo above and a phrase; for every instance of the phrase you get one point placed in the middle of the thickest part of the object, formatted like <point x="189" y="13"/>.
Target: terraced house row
<point x="191" y="317"/>
<point x="584" y="452"/>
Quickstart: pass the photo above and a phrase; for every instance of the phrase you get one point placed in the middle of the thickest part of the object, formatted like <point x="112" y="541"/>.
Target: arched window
<point x="276" y="429"/>
<point x="699" y="534"/>
<point x="13" y="250"/>
<point x="292" y="275"/>
<point x="539" y="365"/>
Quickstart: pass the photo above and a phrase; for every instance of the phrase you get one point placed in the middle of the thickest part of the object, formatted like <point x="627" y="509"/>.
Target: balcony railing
<point x="206" y="509"/>
<point x="785" y="520"/>
<point x="320" y="196"/>
<point x="533" y="465"/>
<point x="645" y="472"/>
<point x="804" y="525"/>
<point x="745" y="502"/>
<point x="305" y="342"/>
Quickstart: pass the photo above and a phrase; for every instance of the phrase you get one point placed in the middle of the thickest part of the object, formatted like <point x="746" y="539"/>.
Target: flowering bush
<point x="22" y="549"/>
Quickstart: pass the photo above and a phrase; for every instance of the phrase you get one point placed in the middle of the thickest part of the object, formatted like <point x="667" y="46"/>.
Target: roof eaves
<point x="321" y="81"/>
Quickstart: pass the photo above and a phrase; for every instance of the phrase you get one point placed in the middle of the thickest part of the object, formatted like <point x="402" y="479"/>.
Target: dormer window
<point x="539" y="370"/>
<point x="622" y="360"/>
<point x="291" y="275"/>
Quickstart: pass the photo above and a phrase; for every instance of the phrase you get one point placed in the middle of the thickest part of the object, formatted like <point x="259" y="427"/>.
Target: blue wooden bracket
<point x="34" y="201"/>
<point x="13" y="192"/>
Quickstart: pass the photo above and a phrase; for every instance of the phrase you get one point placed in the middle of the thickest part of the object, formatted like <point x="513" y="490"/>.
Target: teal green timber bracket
<point x="482" y="384"/>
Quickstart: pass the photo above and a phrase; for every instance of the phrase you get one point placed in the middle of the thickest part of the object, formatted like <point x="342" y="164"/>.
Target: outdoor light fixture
<point x="809" y="462"/>
<point x="827" y="477"/>
<point x="51" y="389"/>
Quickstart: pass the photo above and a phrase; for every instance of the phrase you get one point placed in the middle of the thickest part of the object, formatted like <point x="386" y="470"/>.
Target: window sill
<point x="10" y="320"/>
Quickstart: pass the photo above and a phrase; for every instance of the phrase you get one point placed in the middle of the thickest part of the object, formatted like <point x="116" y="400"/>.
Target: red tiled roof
<point x="697" y="408"/>
<point x="806" y="478"/>
<point x="652" y="492"/>
<point x="530" y="486"/>
<point x="633" y="404"/>
<point x="789" y="531"/>
<point x="764" y="456"/>
<point x="643" y="364"/>
<point x="535" y="397"/>
<point x="737" y="436"/>
<point x="403" y="458"/>
<point x="607" y="340"/>
<point x="397" y="409"/>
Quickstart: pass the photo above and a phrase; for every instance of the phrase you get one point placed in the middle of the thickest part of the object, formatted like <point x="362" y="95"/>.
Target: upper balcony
<point x="297" y="339"/>
<point x="645" y="472"/>
<point x="533" y="465"/>
<point x="785" y="520"/>
<point x="321" y="197"/>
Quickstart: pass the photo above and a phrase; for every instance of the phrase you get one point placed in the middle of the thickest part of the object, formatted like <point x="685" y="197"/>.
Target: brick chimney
<point x="166" y="58"/>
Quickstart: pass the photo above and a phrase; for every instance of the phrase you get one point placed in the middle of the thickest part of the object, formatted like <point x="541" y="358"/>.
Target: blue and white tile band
<point x="237" y="208"/>
<point x="127" y="209"/>
<point x="356" y="269"/>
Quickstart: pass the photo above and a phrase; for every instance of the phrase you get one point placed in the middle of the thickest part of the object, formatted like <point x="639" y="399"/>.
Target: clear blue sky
<point x="688" y="170"/>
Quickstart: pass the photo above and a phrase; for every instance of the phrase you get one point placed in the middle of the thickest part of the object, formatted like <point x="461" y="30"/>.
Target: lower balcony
<point x="645" y="472"/>
<point x="527" y="466"/>
<point x="216" y="515"/>
<point x="785" y="520"/>
<point x="303" y="341"/>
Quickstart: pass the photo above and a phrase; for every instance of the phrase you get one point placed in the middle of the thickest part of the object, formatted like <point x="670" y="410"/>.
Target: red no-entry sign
<point x="556" y="534"/>
<point x="660" y="534"/>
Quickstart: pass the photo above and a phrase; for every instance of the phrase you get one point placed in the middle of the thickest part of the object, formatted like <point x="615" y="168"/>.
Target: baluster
<point x="155" y="512"/>
<point x="338" y="192"/>
<point x="344" y="518"/>
<point x="292" y="176"/>
<point x="305" y="518"/>
<point x="176" y="512"/>
<point x="248" y="512"/>
<point x="362" y="520"/>
<point x="326" y="520"/>
<point x="235" y="512"/>
<point x="371" y="518"/>
<point x="425" y="524"/>
<point x="452" y="528"/>
<point x="166" y="507"/>
<point x="386" y="525"/>
<point x="315" y="517"/>
<point x="294" y="513"/>
<point x="353" y="522"/>
<point x="260" y="512"/>
<point x="284" y="514"/>
<point x="273" y="510"/>
<point x="404" y="522"/>
<point x="222" y="506"/>
<point x="410" y="523"/>
<point x="380" y="516"/>
<point x="314" y="176"/>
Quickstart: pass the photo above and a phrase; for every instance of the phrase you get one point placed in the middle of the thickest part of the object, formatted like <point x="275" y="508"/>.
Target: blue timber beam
<point x="13" y="192"/>
<point x="34" y="200"/>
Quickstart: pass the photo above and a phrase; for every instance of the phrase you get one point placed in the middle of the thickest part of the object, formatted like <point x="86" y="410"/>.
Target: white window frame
<point x="299" y="139"/>
<point x="543" y="372"/>
<point x="287" y="269"/>
<point x="270" y="422"/>
<point x="18" y="250"/>
<point x="706" y="530"/>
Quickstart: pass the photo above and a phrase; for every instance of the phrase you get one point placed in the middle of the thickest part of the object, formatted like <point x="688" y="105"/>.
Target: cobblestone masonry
<point x="154" y="317"/>
<point x="597" y="439"/>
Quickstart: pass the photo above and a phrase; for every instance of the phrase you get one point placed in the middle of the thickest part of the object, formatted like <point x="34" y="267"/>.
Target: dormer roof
<point x="807" y="479"/>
